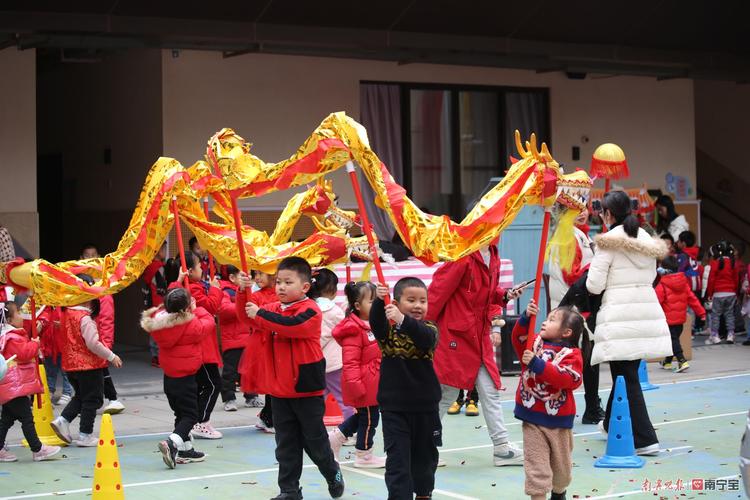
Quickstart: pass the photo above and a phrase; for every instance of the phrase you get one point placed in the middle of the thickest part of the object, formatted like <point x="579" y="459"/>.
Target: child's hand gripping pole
<point x="539" y="269"/>
<point x="211" y="267"/>
<point x="180" y="244"/>
<point x="366" y="228"/>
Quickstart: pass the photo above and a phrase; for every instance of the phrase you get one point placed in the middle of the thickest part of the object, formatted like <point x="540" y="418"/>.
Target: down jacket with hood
<point x="675" y="296"/>
<point x="630" y="324"/>
<point x="179" y="337"/>
<point x="361" y="355"/>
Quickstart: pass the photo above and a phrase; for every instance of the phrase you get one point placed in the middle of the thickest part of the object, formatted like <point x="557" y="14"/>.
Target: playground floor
<point x="700" y="416"/>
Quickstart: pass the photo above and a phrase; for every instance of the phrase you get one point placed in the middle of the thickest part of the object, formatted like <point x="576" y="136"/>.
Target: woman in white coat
<point x="631" y="325"/>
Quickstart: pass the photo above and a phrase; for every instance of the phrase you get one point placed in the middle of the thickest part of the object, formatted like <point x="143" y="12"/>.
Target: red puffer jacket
<point x="675" y="296"/>
<point x="361" y="356"/>
<point x="291" y="360"/>
<point x="49" y="320"/>
<point x="252" y="368"/>
<point x="105" y="320"/>
<point x="209" y="298"/>
<point x="726" y="279"/>
<point x="180" y="337"/>
<point x="23" y="379"/>
<point x="234" y="334"/>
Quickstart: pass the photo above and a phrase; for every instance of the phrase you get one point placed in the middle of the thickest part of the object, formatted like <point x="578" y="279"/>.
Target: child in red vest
<point x="234" y="337"/>
<point x="50" y="331"/>
<point x="84" y="358"/>
<point x="208" y="296"/>
<point x="675" y="295"/>
<point x="291" y="328"/>
<point x="249" y="369"/>
<point x="20" y="382"/>
<point x="544" y="399"/>
<point x="361" y="375"/>
<point x="179" y="328"/>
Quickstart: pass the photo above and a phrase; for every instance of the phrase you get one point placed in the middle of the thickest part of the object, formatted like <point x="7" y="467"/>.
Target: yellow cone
<point x="107" y="476"/>
<point x="43" y="416"/>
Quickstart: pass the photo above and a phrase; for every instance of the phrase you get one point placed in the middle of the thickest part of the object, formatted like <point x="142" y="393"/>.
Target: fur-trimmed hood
<point x="617" y="239"/>
<point x="157" y="318"/>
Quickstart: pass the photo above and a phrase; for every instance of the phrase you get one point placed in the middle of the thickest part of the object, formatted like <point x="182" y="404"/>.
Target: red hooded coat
<point x="361" y="356"/>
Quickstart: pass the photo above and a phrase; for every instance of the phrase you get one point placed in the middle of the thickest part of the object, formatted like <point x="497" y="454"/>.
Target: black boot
<point x="557" y="496"/>
<point x="289" y="495"/>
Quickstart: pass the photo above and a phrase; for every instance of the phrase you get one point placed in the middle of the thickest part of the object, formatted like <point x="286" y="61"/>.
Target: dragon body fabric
<point x="230" y="170"/>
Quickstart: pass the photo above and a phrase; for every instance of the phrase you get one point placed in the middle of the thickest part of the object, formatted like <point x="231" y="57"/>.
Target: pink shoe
<point x="366" y="460"/>
<point x="336" y="438"/>
<point x="45" y="453"/>
<point x="6" y="456"/>
<point x="206" y="431"/>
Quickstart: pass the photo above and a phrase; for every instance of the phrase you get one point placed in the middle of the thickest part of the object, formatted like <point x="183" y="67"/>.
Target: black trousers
<point x="19" y="409"/>
<point x="643" y="432"/>
<point x="266" y="413"/>
<point x="591" y="384"/>
<point x="88" y="386"/>
<point x="229" y="374"/>
<point x="411" y="441"/>
<point x="182" y="394"/>
<point x="364" y="423"/>
<point x="109" y="388"/>
<point x="209" y="386"/>
<point x="299" y="426"/>
<point x="675" y="331"/>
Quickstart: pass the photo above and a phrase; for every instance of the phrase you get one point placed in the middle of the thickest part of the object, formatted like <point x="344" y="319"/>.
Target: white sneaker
<point x="507" y="454"/>
<point x="367" y="460"/>
<point x="263" y="427"/>
<point x="114" y="407"/>
<point x="46" y="453"/>
<point x="7" y="456"/>
<point x="86" y="441"/>
<point x="730" y="338"/>
<point x="601" y="428"/>
<point x="206" y="431"/>
<point x="651" y="450"/>
<point x="351" y="441"/>
<point x="230" y="405"/>
<point x="336" y="438"/>
<point x="441" y="463"/>
<point x="713" y="339"/>
<point x="63" y="400"/>
<point x="62" y="429"/>
<point x="255" y="402"/>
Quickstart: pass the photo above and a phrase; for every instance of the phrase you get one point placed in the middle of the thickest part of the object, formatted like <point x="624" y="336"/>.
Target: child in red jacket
<point x="20" y="382"/>
<point x="179" y="328"/>
<point x="544" y="399"/>
<point x="723" y="284"/>
<point x="234" y="336"/>
<point x="250" y="365"/>
<point x="50" y="331"/>
<point x="361" y="356"/>
<point x="208" y="296"/>
<point x="84" y="358"/>
<point x="675" y="295"/>
<point x="292" y="350"/>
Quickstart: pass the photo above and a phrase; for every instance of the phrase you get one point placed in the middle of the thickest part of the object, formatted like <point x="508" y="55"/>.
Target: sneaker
<point x="86" y="441"/>
<point x="471" y="409"/>
<point x="289" y="495"/>
<point x="155" y="364"/>
<point x="230" y="405"/>
<point x="45" y="453"/>
<point x="168" y="452"/>
<point x="592" y="417"/>
<point x="455" y="408"/>
<point x="351" y="441"/>
<point x="601" y="428"/>
<point x="666" y="366"/>
<point x="713" y="339"/>
<point x="650" y="451"/>
<point x="62" y="429"/>
<point x="254" y="402"/>
<point x="189" y="456"/>
<point x="441" y="462"/>
<point x="336" y="438"/>
<point x="335" y="487"/>
<point x="261" y="426"/>
<point x="6" y="456"/>
<point x="730" y="338"/>
<point x="507" y="454"/>
<point x="366" y="460"/>
<point x="63" y="400"/>
<point x="114" y="407"/>
<point x="206" y="431"/>
<point x="684" y="365"/>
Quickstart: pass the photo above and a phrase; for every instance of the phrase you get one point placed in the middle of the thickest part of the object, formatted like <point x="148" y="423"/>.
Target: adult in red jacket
<point x="463" y="299"/>
<point x="675" y="295"/>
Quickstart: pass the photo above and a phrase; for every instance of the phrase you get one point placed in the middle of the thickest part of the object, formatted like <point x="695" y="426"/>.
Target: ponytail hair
<point x="618" y="204"/>
<point x="355" y="292"/>
<point x="324" y="282"/>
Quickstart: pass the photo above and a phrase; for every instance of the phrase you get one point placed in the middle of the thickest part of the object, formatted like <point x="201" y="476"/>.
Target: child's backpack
<point x="694" y="274"/>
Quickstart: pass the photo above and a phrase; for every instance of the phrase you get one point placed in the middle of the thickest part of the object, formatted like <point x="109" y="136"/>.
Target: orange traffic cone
<point x="333" y="415"/>
<point x="43" y="416"/>
<point x="107" y="476"/>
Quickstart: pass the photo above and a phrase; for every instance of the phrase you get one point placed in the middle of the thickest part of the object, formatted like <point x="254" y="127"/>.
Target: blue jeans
<point x="53" y="367"/>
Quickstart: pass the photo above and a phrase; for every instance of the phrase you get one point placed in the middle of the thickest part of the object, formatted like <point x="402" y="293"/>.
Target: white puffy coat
<point x="631" y="323"/>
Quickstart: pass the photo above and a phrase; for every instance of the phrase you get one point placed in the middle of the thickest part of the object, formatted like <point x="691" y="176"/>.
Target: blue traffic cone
<point x="620" y="448"/>
<point x="643" y="377"/>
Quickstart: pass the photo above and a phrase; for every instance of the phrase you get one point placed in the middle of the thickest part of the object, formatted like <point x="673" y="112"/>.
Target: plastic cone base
<point x="607" y="462"/>
<point x="43" y="416"/>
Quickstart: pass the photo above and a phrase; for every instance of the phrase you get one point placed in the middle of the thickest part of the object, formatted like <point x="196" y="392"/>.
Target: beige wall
<point x="18" y="146"/>
<point x="276" y="101"/>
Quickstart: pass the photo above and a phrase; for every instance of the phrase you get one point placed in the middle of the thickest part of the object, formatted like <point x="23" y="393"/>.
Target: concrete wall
<point x="18" y="210"/>
<point x="276" y="101"/>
